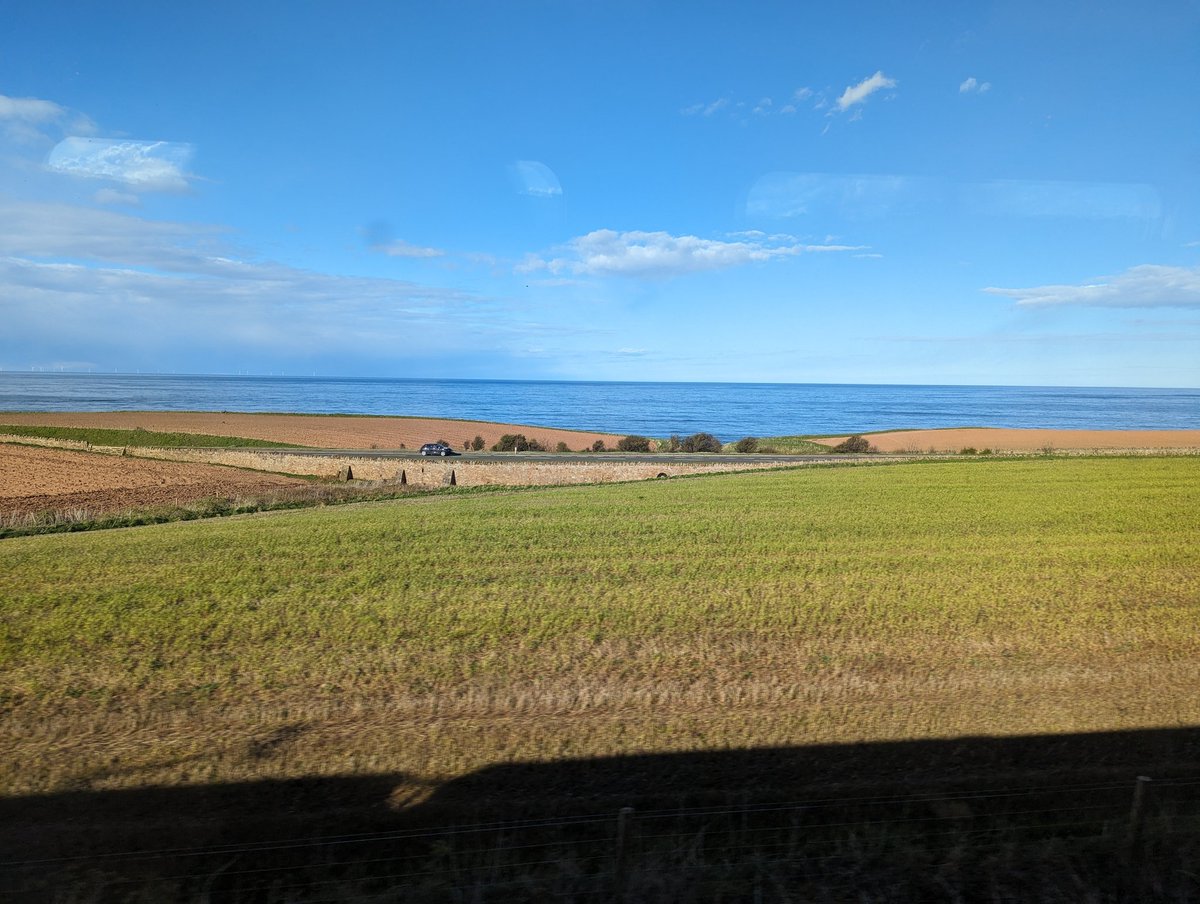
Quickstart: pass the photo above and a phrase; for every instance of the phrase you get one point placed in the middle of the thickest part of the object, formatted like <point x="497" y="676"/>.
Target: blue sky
<point x="875" y="193"/>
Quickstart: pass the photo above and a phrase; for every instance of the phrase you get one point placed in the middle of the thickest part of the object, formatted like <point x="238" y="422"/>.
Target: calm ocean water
<point x="730" y="410"/>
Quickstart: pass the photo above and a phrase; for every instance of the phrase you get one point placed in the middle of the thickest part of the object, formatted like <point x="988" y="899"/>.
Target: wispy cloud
<point x="1145" y="286"/>
<point x="29" y="109"/>
<point x="532" y="177"/>
<point x="76" y="276"/>
<point x="112" y="196"/>
<point x="784" y="195"/>
<point x="68" y="232"/>
<point x="606" y="252"/>
<point x="400" y="248"/>
<point x="1090" y="200"/>
<point x="974" y="86"/>
<point x="827" y="195"/>
<point x="858" y="94"/>
<point x="141" y="165"/>
<point x="765" y="106"/>
<point x="706" y="109"/>
<point x="28" y="120"/>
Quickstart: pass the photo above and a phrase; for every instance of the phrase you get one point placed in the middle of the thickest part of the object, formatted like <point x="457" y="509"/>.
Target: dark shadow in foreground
<point x="1055" y="817"/>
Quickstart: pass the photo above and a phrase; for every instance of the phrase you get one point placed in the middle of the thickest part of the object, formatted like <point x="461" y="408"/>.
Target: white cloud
<point x="1145" y="286"/>
<point x="858" y="94"/>
<point x="400" y="248"/>
<point x="763" y="107"/>
<point x="29" y="109"/>
<point x="142" y="165"/>
<point x="973" y="86"/>
<point x="606" y="252"/>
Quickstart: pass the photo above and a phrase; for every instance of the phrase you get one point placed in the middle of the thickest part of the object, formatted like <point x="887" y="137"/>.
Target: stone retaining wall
<point x="437" y="472"/>
<point x="45" y="441"/>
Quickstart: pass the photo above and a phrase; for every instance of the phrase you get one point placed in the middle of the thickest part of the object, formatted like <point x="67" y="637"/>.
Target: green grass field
<point x="437" y="635"/>
<point x="98" y="436"/>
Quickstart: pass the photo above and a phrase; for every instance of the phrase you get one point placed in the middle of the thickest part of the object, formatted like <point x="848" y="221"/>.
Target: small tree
<point x="477" y="443"/>
<point x="634" y="443"/>
<point x="855" y="443"/>
<point x="511" y="442"/>
<point x="672" y="444"/>
<point x="561" y="447"/>
<point x="746" y="444"/>
<point x="598" y="446"/>
<point x="534" y="445"/>
<point x="701" y="442"/>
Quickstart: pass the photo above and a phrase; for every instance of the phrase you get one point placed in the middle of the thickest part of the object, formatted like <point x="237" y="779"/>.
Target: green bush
<point x="746" y="444"/>
<point x="672" y="444"/>
<point x="477" y="443"/>
<point x="634" y="443"/>
<point x="562" y="447"/>
<point x="968" y="450"/>
<point x="511" y="442"/>
<point x="700" y="442"/>
<point x="598" y="446"/>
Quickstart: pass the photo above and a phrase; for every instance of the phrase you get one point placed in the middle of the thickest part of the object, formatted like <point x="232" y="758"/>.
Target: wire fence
<point x="1145" y="834"/>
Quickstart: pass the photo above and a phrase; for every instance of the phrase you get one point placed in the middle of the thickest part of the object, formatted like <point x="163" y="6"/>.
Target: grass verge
<point x="97" y="436"/>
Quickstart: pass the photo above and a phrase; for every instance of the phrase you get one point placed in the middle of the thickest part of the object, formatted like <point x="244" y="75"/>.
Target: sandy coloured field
<point x="38" y="479"/>
<point x="321" y="431"/>
<point x="1011" y="440"/>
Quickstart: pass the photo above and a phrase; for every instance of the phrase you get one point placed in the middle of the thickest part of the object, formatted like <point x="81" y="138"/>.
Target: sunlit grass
<point x="439" y="634"/>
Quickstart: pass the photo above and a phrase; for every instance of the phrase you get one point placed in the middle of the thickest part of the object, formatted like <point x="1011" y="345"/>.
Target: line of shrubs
<point x="696" y="442"/>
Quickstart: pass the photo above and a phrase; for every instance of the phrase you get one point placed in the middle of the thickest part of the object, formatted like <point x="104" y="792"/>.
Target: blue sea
<point x="729" y="410"/>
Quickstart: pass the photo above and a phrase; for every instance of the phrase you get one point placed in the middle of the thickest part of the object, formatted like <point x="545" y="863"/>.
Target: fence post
<point x="621" y="867"/>
<point x="1137" y="808"/>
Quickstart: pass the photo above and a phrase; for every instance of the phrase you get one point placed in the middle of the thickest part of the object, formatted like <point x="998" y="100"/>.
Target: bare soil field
<point x="41" y="479"/>
<point x="321" y="431"/>
<point x="1011" y="440"/>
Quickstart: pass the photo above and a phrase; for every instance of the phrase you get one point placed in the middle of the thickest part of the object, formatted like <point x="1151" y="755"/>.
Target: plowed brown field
<point x="324" y="432"/>
<point x="38" y="480"/>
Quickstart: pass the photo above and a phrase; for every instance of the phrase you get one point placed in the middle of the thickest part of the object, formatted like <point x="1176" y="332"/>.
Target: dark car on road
<point x="437" y="449"/>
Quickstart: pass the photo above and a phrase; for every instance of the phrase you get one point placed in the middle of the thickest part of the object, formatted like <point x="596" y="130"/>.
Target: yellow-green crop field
<point x="437" y="635"/>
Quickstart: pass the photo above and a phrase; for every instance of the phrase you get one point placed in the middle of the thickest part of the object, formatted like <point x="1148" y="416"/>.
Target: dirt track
<point x="37" y="480"/>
